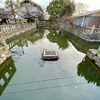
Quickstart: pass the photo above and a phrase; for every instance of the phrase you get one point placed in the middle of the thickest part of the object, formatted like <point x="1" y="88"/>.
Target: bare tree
<point x="80" y="8"/>
<point x="13" y="7"/>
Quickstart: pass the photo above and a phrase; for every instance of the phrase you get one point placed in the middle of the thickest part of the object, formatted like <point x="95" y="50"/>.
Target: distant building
<point x="46" y="16"/>
<point x="4" y="16"/>
<point x="87" y="19"/>
<point x="29" y="9"/>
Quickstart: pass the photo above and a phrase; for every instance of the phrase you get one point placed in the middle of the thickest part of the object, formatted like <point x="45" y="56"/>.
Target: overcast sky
<point x="40" y="2"/>
<point x="93" y="4"/>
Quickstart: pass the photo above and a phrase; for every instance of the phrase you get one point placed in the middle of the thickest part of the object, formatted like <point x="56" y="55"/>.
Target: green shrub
<point x="21" y="21"/>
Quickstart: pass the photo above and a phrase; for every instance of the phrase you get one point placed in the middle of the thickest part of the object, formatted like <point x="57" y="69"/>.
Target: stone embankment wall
<point x="8" y="31"/>
<point x="54" y="24"/>
<point x="87" y="33"/>
<point x="4" y="49"/>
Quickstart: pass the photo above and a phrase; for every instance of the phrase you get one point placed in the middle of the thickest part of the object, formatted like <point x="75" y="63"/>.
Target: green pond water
<point x="72" y="77"/>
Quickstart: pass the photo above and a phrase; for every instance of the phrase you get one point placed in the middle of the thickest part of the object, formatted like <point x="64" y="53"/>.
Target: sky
<point x="40" y="2"/>
<point x="93" y="4"/>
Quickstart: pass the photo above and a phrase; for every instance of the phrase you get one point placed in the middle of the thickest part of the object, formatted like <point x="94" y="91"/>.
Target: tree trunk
<point x="15" y="18"/>
<point x="13" y="12"/>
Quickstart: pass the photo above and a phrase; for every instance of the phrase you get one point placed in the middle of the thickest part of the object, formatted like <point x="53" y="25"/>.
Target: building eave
<point x="87" y="13"/>
<point x="34" y="4"/>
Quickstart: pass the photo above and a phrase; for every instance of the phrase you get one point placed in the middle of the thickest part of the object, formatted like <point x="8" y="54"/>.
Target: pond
<point x="27" y="77"/>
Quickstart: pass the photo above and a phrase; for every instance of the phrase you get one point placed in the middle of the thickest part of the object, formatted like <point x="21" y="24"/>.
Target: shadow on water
<point x="42" y="62"/>
<point x="89" y="71"/>
<point x="80" y="44"/>
<point x="7" y="70"/>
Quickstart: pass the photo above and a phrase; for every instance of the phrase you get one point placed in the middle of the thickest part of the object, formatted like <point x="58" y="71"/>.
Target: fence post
<point x="93" y="27"/>
<point x="4" y="42"/>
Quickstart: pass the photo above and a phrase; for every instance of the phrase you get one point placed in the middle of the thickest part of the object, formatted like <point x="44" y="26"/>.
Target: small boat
<point x="94" y="56"/>
<point x="50" y="55"/>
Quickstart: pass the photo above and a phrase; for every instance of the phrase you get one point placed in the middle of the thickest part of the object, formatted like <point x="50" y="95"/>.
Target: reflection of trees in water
<point x="18" y="43"/>
<point x="55" y="37"/>
<point x="22" y="42"/>
<point x="29" y="36"/>
<point x="80" y="44"/>
<point x="90" y="72"/>
<point x="17" y="52"/>
<point x="34" y="35"/>
<point x="41" y="63"/>
<point x="7" y="70"/>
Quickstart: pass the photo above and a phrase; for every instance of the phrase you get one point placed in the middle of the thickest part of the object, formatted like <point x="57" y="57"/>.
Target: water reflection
<point x="41" y="63"/>
<point x="29" y="36"/>
<point x="35" y="76"/>
<point x="56" y="37"/>
<point x="36" y="34"/>
<point x="89" y="71"/>
<point x="80" y="44"/>
<point x="7" y="70"/>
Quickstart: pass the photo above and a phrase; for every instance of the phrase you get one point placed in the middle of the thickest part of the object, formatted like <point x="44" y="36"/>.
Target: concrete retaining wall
<point x="8" y="31"/>
<point x="87" y="33"/>
<point x="12" y="30"/>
